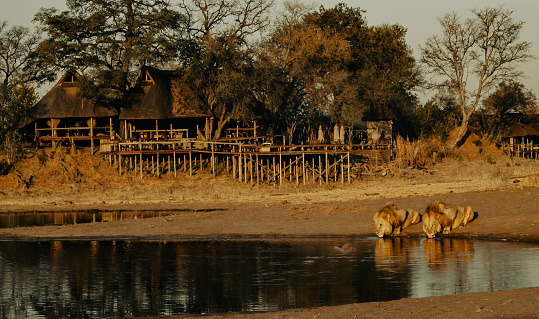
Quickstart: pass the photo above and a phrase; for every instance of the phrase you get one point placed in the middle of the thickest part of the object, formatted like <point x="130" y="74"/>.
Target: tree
<point x="17" y="47"/>
<point x="484" y="49"/>
<point x="437" y="117"/>
<point x="381" y="66"/>
<point x="510" y="98"/>
<point x="14" y="109"/>
<point x="218" y="65"/>
<point x="302" y="74"/>
<point x="109" y="40"/>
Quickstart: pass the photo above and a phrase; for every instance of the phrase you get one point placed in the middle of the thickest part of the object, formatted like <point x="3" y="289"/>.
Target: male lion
<point x="441" y="217"/>
<point x="390" y="220"/>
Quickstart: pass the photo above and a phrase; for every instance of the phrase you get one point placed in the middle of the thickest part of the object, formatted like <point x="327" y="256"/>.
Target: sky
<point x="419" y="17"/>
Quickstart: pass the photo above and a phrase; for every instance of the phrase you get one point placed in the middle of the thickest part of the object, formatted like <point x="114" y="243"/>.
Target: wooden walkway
<point x="248" y="163"/>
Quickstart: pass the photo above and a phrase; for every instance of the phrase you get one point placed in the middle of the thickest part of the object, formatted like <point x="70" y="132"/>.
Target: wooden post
<point x="251" y="167"/>
<point x="157" y="159"/>
<point x="327" y="168"/>
<point x="268" y="169"/>
<point x="245" y="167"/>
<point x="120" y="164"/>
<point x="92" y="135"/>
<point x="304" y="172"/>
<point x="274" y="171"/>
<point x="314" y="177"/>
<point x="257" y="171"/>
<point x="296" y="171"/>
<point x="240" y="167"/>
<point x="157" y="129"/>
<point x="342" y="170"/>
<point x="233" y="167"/>
<point x="201" y="163"/>
<point x="174" y="148"/>
<point x="290" y="169"/>
<point x="140" y="149"/>
<point x="212" y="160"/>
<point x="320" y="169"/>
<point x="348" y="168"/>
<point x="280" y="168"/>
<point x="53" y="134"/>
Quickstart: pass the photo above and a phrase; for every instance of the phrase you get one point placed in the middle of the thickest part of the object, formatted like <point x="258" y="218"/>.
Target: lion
<point x="441" y="217"/>
<point x="390" y="220"/>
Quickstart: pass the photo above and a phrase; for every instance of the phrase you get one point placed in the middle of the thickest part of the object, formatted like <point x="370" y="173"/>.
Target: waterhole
<point x="97" y="279"/>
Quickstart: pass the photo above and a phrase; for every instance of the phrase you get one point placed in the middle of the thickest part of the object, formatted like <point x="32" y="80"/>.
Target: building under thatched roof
<point x="160" y="104"/>
<point x="63" y="101"/>
<point x="518" y="129"/>
<point x="64" y="113"/>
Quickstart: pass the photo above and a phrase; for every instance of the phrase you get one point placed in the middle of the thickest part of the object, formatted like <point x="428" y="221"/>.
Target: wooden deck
<point x="249" y="163"/>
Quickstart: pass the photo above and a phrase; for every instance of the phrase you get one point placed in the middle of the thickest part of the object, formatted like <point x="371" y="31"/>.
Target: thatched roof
<point x="63" y="101"/>
<point x="520" y="130"/>
<point x="160" y="94"/>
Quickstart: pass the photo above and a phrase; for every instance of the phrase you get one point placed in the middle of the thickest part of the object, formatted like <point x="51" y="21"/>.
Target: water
<point x="96" y="279"/>
<point x="39" y="218"/>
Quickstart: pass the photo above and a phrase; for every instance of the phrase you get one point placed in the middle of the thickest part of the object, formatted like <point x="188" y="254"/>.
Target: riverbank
<point x="503" y="194"/>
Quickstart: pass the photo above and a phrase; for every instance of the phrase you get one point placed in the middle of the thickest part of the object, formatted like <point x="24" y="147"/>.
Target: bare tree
<point x="470" y="58"/>
<point x="17" y="46"/>
<point x="237" y="18"/>
<point x="219" y="64"/>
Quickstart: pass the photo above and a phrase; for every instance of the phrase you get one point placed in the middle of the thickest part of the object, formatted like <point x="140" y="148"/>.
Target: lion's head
<point x="431" y="225"/>
<point x="385" y="220"/>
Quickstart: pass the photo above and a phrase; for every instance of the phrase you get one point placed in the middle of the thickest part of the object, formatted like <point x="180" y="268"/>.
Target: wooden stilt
<point x="274" y="171"/>
<point x="290" y="169"/>
<point x="304" y="171"/>
<point x="313" y="168"/>
<point x="213" y="159"/>
<point x="240" y="167"/>
<point x="251" y="167"/>
<point x="280" y="169"/>
<point x="246" y="169"/>
<point x="348" y="156"/>
<point x="233" y="167"/>
<point x="320" y="169"/>
<point x="342" y="169"/>
<point x="174" y="147"/>
<point x="257" y="170"/>
<point x="140" y="147"/>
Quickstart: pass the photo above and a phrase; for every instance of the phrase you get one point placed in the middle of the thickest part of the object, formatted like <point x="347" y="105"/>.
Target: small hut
<point x="161" y="106"/>
<point x="521" y="140"/>
<point x="63" y="114"/>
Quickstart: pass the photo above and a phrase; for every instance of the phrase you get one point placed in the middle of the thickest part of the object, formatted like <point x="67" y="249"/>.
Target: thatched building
<point x="63" y="114"/>
<point x="160" y="106"/>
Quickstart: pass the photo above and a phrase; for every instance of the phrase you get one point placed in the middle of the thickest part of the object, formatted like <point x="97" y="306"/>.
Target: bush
<point x="5" y="167"/>
<point x="11" y="145"/>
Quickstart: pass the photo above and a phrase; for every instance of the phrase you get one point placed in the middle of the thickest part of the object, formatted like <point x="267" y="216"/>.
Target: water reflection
<point x="96" y="279"/>
<point x="438" y="252"/>
<point x="29" y="219"/>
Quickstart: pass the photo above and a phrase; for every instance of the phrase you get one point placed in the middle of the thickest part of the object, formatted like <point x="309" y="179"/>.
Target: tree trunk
<point x="220" y="125"/>
<point x="460" y="132"/>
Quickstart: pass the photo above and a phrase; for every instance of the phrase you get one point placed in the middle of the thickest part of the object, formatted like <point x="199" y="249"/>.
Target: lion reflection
<point x="392" y="253"/>
<point x="441" y="253"/>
